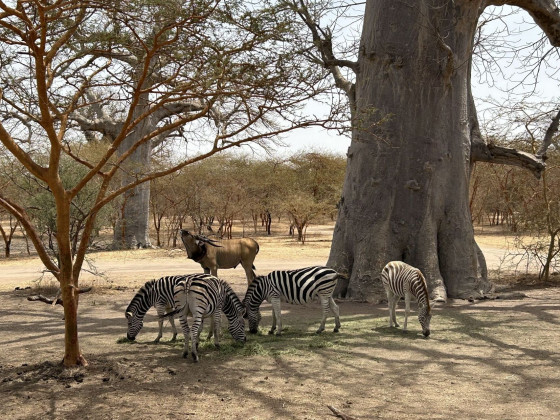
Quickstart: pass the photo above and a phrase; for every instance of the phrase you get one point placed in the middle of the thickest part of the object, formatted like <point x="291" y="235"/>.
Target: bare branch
<point x="545" y="13"/>
<point x="340" y="414"/>
<point x="56" y="300"/>
<point x="550" y="132"/>
<point x="322" y="39"/>
<point x="491" y="153"/>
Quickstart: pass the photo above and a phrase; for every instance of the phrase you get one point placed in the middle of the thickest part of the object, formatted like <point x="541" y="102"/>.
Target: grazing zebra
<point x="204" y="295"/>
<point x="294" y="286"/>
<point x="403" y="280"/>
<point x="157" y="293"/>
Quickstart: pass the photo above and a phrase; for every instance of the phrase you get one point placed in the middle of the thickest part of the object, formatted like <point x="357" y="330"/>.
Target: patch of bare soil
<point x="484" y="360"/>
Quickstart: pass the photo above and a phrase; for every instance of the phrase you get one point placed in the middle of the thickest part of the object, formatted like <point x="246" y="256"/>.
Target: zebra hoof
<point x="195" y="357"/>
<point x="271" y="332"/>
<point x="173" y="339"/>
<point x="185" y="354"/>
<point x="217" y="346"/>
<point x="335" y="330"/>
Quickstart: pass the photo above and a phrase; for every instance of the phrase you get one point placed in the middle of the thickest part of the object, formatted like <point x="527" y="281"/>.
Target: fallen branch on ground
<point x="56" y="301"/>
<point x="340" y="414"/>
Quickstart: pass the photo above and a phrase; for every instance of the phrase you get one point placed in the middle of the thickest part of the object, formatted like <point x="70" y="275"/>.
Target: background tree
<point x="407" y="179"/>
<point x="48" y="80"/>
<point x="531" y="204"/>
<point x="311" y="189"/>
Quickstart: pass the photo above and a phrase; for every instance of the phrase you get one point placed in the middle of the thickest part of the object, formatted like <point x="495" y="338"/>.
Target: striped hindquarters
<point x="400" y="278"/>
<point x="206" y="294"/>
<point x="303" y="285"/>
<point x="203" y="289"/>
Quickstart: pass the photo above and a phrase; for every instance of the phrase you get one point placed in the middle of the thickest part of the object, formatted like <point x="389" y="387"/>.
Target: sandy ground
<point x="491" y="359"/>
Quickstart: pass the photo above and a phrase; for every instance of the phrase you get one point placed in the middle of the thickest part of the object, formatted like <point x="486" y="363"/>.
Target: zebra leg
<point x="160" y="324"/>
<point x="216" y="321"/>
<point x="273" y="328"/>
<point x="211" y="330"/>
<point x="194" y="336"/>
<point x="276" y="316"/>
<point x="392" y="300"/>
<point x="325" y="309"/>
<point x="161" y="312"/>
<point x="407" y="309"/>
<point x="186" y="332"/>
<point x="172" y="322"/>
<point x="395" y="301"/>
<point x="390" y="297"/>
<point x="336" y="312"/>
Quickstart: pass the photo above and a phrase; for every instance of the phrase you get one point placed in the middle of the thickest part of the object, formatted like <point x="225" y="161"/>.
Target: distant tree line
<point x="210" y="197"/>
<point x="215" y="194"/>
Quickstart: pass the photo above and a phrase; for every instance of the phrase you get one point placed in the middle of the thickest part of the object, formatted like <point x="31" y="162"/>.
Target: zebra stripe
<point x="204" y="295"/>
<point x="157" y="293"/>
<point x="296" y="287"/>
<point x="403" y="280"/>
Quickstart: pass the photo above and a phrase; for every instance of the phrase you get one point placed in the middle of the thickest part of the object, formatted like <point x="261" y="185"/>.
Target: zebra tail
<point x="172" y="313"/>
<point x="342" y="276"/>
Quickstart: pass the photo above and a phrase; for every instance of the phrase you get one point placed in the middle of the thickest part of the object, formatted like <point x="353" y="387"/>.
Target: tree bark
<point x="132" y="229"/>
<point x="405" y="195"/>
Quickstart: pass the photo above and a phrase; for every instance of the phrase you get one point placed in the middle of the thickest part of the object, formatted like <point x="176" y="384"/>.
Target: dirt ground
<point x="489" y="359"/>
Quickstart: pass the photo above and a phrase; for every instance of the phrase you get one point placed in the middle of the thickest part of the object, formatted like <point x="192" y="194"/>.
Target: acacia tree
<point x="47" y="78"/>
<point x="405" y="195"/>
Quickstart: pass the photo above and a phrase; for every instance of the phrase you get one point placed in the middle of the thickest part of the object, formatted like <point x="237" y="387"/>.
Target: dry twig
<point x="340" y="414"/>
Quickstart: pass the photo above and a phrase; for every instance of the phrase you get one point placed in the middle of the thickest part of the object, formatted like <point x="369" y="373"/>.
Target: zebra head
<point x="253" y="298"/>
<point x="237" y="329"/>
<point x="254" y="317"/>
<point x="424" y="316"/>
<point x="135" y="324"/>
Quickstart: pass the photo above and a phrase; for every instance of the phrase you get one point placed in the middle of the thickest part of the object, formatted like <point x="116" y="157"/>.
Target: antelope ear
<point x="128" y="314"/>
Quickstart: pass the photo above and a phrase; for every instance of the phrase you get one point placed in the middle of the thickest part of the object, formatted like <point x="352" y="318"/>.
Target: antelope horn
<point x="208" y="240"/>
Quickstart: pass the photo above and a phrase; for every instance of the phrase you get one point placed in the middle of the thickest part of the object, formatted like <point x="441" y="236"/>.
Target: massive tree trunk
<point x="405" y="195"/>
<point x="132" y="229"/>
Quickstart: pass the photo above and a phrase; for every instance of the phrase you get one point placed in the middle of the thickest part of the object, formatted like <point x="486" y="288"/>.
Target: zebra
<point x="158" y="293"/>
<point x="403" y="280"/>
<point x="204" y="295"/>
<point x="294" y="286"/>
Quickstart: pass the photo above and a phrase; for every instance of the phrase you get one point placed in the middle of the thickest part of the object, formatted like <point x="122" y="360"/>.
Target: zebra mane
<point x="143" y="291"/>
<point x="425" y="288"/>
<point x="253" y="289"/>
<point x="233" y="298"/>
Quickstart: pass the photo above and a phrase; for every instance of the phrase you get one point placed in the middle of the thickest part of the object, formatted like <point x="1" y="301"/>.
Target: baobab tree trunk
<point x="132" y="229"/>
<point x="405" y="195"/>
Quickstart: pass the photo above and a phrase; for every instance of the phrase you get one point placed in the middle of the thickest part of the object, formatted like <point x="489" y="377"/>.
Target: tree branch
<point x="56" y="300"/>
<point x="550" y="132"/>
<point x="491" y="153"/>
<point x="340" y="414"/>
<point x="322" y="39"/>
<point x="545" y="13"/>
